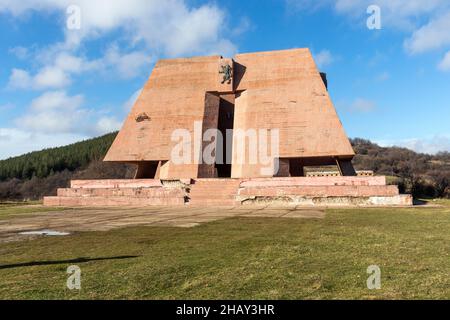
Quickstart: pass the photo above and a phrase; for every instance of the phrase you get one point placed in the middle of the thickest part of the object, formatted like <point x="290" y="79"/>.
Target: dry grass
<point x="243" y="258"/>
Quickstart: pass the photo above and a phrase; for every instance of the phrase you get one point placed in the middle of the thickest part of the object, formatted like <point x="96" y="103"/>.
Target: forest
<point x="47" y="162"/>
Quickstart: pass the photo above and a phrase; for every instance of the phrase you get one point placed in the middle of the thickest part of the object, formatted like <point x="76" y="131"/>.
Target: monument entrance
<point x="225" y="127"/>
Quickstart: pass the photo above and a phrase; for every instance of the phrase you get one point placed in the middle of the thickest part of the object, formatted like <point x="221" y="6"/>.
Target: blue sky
<point x="59" y="85"/>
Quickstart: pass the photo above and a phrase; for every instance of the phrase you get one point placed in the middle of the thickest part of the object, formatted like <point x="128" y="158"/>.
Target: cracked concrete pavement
<point x="103" y="219"/>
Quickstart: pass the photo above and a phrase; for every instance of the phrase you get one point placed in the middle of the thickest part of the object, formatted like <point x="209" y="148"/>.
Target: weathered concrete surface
<point x="314" y="181"/>
<point x="120" y="183"/>
<point x="214" y="192"/>
<point x="276" y="90"/>
<point x="307" y="191"/>
<point x="331" y="201"/>
<point x="103" y="219"/>
<point x="173" y="98"/>
<point x="321" y="191"/>
<point x="123" y="192"/>
<point x="284" y="90"/>
<point x="105" y="201"/>
<point x="116" y="183"/>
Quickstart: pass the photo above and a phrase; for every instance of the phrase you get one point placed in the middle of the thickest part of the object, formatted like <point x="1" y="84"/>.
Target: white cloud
<point x="6" y="106"/>
<point x="69" y="63"/>
<point x="383" y="76"/>
<point x="132" y="100"/>
<point x="396" y="13"/>
<point x="51" y="77"/>
<point x="53" y="119"/>
<point x="47" y="77"/>
<point x="426" y="22"/>
<point x="431" y="145"/>
<point x="127" y="65"/>
<point x="14" y="141"/>
<point x="59" y="68"/>
<point x="294" y="6"/>
<point x="148" y="29"/>
<point x="433" y="35"/>
<point x="20" y="52"/>
<point x="56" y="100"/>
<point x="323" y="58"/>
<point x="170" y="27"/>
<point x="404" y="15"/>
<point x="20" y="79"/>
<point x="444" y="65"/>
<point x="107" y="124"/>
<point x="55" y="112"/>
<point x="244" y="25"/>
<point x="362" y="105"/>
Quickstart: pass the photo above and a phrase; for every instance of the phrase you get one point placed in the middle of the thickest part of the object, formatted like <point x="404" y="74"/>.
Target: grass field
<point x="242" y="258"/>
<point x="9" y="210"/>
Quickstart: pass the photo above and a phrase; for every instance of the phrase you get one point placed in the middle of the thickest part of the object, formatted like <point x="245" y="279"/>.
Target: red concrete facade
<point x="277" y="90"/>
<point x="323" y="191"/>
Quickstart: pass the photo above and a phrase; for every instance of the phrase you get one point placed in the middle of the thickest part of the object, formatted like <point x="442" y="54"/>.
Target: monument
<point x="219" y="131"/>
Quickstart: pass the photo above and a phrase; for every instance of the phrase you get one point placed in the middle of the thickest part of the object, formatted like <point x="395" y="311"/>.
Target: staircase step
<point x="213" y="203"/>
<point x="156" y="192"/>
<point x="230" y="192"/>
<point x="111" y="201"/>
<point x="214" y="192"/>
<point x="321" y="191"/>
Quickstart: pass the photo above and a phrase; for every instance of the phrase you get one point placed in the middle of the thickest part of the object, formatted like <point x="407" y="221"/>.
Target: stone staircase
<point x="118" y="193"/>
<point x="298" y="191"/>
<point x="321" y="191"/>
<point x="214" y="192"/>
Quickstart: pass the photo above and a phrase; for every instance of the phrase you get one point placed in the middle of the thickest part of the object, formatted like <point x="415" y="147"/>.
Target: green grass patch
<point x="10" y="210"/>
<point x="442" y="202"/>
<point x="243" y="258"/>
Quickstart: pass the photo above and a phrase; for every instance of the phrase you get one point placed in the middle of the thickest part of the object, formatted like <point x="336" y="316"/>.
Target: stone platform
<point x="298" y="191"/>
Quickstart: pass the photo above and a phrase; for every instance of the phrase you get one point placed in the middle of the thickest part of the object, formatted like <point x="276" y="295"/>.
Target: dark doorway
<point x="147" y="169"/>
<point x="300" y="167"/>
<point x="225" y="122"/>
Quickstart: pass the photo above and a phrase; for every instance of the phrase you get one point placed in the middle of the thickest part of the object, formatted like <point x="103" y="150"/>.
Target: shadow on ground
<point x="418" y="202"/>
<point x="77" y="260"/>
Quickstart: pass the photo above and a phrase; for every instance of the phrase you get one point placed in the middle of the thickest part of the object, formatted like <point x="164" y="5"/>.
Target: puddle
<point x="45" y="233"/>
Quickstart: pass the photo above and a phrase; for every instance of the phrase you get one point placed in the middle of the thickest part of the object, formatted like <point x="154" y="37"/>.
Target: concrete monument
<point x="212" y="130"/>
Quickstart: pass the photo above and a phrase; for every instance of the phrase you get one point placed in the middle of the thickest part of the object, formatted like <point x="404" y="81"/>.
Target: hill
<point x="44" y="163"/>
<point x="416" y="173"/>
<point x="36" y="174"/>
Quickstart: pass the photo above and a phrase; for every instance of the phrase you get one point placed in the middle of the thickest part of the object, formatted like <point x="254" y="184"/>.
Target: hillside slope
<point x="36" y="174"/>
<point x="44" y="163"/>
<point x="33" y="175"/>
<point x="416" y="173"/>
